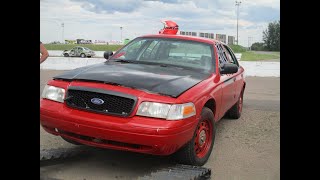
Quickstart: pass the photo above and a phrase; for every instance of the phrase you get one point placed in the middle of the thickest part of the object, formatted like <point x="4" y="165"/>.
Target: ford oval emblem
<point x="97" y="101"/>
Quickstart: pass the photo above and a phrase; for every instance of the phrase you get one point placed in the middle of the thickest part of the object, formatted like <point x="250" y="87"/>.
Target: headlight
<point x="53" y="93"/>
<point x="166" y="111"/>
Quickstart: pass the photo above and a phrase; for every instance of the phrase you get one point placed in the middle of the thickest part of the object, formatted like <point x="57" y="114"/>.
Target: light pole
<point x="121" y="34"/>
<point x="62" y="25"/>
<point x="58" y="24"/>
<point x="237" y="4"/>
<point x="249" y="42"/>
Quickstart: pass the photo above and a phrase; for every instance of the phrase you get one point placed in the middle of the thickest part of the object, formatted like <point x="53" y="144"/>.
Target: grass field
<point x="238" y="48"/>
<point x="276" y="53"/>
<point x="94" y="47"/>
<point x="252" y="56"/>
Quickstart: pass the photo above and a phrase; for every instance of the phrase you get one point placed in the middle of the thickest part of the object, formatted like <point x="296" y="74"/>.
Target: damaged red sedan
<point x="160" y="94"/>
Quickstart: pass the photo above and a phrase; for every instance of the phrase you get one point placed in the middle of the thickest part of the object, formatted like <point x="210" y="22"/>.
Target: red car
<point x="159" y="94"/>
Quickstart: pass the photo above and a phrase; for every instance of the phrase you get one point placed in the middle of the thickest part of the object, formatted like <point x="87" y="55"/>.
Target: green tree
<point x="271" y="36"/>
<point x="258" y="46"/>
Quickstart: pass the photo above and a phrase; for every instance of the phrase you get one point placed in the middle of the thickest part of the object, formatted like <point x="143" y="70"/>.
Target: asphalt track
<point x="247" y="148"/>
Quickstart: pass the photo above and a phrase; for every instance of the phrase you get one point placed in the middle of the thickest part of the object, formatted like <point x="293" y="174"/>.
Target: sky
<point x="102" y="19"/>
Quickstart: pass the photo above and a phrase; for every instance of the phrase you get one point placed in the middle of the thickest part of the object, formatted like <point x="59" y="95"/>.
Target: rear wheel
<point x="235" y="111"/>
<point x="82" y="55"/>
<point x="198" y="150"/>
<point x="71" y="141"/>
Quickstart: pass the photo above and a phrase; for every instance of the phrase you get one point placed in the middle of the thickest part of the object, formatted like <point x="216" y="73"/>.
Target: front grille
<point x="113" y="102"/>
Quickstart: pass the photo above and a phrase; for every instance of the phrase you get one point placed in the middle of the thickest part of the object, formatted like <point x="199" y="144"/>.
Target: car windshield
<point x="164" y="51"/>
<point x="86" y="49"/>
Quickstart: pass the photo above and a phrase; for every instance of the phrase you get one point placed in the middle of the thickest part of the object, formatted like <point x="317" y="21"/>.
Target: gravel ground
<point x="247" y="148"/>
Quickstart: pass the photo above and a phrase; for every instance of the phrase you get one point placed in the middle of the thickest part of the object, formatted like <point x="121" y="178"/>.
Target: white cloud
<point x="87" y="18"/>
<point x="268" y="3"/>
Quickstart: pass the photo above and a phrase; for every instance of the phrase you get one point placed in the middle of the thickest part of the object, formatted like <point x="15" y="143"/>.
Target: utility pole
<point x="238" y="4"/>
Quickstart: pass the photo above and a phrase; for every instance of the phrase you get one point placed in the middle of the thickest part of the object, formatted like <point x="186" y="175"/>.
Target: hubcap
<point x="203" y="139"/>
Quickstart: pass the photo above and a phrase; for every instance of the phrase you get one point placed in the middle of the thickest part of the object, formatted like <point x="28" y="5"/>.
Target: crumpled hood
<point x="171" y="81"/>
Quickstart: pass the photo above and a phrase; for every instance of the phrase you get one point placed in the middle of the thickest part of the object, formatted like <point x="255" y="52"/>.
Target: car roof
<point x="81" y="47"/>
<point x="192" y="38"/>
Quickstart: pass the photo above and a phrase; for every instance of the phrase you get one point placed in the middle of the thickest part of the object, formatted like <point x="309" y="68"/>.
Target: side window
<point x="231" y="56"/>
<point x="221" y="55"/>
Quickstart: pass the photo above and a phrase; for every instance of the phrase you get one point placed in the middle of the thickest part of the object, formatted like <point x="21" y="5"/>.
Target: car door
<point x="73" y="52"/>
<point x="238" y="77"/>
<point x="79" y="51"/>
<point x="227" y="81"/>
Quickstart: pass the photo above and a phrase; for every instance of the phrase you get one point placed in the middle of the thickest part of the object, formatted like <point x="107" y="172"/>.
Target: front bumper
<point x="136" y="133"/>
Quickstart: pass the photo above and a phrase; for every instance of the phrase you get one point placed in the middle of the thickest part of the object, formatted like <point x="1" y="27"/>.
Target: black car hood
<point x="170" y="80"/>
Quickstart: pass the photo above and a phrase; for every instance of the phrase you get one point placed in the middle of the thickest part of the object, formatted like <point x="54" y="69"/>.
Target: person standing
<point x="44" y="53"/>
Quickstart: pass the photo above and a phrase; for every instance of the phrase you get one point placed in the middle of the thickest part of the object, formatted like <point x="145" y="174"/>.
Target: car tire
<point x="71" y="141"/>
<point x="196" y="152"/>
<point x="82" y="55"/>
<point x="66" y="55"/>
<point x="236" y="110"/>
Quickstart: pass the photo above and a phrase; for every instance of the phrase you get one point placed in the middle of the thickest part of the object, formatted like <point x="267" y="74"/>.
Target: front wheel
<point x="66" y="55"/>
<point x="83" y="55"/>
<point x="198" y="150"/>
<point x="236" y="110"/>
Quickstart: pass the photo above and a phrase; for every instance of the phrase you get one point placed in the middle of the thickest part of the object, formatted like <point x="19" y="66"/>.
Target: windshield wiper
<point x="112" y="83"/>
<point x="122" y="60"/>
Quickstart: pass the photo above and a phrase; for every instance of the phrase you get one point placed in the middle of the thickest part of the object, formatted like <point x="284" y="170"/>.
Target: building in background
<point x="70" y="41"/>
<point x="231" y="40"/>
<point x="206" y="35"/>
<point x="100" y="42"/>
<point x="221" y="37"/>
<point x="210" y="35"/>
<point x="83" y="41"/>
<point x="188" y="33"/>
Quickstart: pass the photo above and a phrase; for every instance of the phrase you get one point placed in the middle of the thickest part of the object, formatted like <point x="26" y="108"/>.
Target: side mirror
<point x="107" y="54"/>
<point x="228" y="68"/>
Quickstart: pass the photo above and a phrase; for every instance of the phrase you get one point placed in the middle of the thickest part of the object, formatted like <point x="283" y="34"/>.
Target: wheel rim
<point x="240" y="104"/>
<point x="203" y="139"/>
